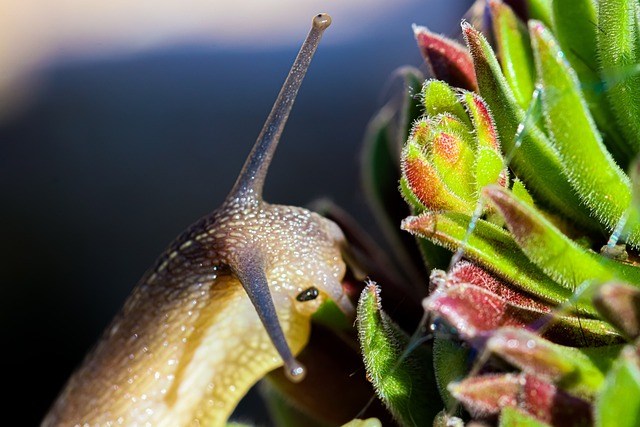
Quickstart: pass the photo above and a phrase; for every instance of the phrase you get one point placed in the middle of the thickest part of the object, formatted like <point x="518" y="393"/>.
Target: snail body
<point x="220" y="308"/>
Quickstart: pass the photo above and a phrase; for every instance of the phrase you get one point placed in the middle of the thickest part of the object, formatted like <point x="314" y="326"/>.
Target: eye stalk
<point x="321" y="21"/>
<point x="246" y="195"/>
<point x="251" y="179"/>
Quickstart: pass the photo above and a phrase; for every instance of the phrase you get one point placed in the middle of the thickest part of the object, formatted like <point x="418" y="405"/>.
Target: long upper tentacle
<point x="251" y="179"/>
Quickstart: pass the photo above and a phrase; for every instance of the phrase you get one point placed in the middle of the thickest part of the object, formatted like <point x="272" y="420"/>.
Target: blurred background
<point x="122" y="122"/>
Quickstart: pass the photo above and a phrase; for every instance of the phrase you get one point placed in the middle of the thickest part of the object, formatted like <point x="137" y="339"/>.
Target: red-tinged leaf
<point x="475" y="312"/>
<point x="448" y="60"/>
<point x="568" y="367"/>
<point x="446" y="146"/>
<point x="488" y="394"/>
<point x="452" y="155"/>
<point x="535" y="160"/>
<point x="482" y="121"/>
<point x="529" y="352"/>
<point x="560" y="257"/>
<point x="547" y="403"/>
<point x="426" y="184"/>
<point x="619" y="304"/>
<point x="494" y="249"/>
<point x="466" y="272"/>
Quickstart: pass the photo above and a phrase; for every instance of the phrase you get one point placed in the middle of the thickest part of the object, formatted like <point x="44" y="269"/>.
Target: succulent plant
<point x="516" y="165"/>
<point x="518" y="170"/>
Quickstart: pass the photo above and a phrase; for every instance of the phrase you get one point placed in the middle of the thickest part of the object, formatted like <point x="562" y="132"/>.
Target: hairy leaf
<point x="560" y="257"/>
<point x="494" y="249"/>
<point x="591" y="170"/>
<point x="568" y="367"/>
<point x="512" y="417"/>
<point x="618" y="404"/>
<point x="475" y="312"/>
<point x="619" y="304"/>
<point x="575" y="24"/>
<point x="514" y="49"/>
<point x="534" y="161"/>
<point x="447" y="59"/>
<point x="403" y="377"/>
<point x="619" y="49"/>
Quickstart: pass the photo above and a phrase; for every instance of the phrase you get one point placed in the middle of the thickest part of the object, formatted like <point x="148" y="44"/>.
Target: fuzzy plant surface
<point x="507" y="185"/>
<point x="518" y="160"/>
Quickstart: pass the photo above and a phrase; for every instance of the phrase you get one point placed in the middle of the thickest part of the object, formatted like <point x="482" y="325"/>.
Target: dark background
<point x="114" y="157"/>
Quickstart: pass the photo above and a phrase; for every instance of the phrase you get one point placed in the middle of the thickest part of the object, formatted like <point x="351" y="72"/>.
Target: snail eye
<point x="308" y="294"/>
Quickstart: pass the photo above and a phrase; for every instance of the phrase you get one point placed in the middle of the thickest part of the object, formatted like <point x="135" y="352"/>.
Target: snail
<point x="228" y="301"/>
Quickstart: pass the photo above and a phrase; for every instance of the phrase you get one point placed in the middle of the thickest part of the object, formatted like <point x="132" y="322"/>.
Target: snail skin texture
<point x="229" y="301"/>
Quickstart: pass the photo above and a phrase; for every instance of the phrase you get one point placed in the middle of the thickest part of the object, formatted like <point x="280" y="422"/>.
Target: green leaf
<point x="488" y="167"/>
<point x="512" y="417"/>
<point x="540" y="10"/>
<point x="451" y="363"/>
<point x="330" y="315"/>
<point x="534" y="161"/>
<point x="514" y="49"/>
<point x="619" y="52"/>
<point x="493" y="248"/>
<point x="407" y="194"/>
<point x="592" y="172"/>
<point x="633" y="214"/>
<point x="575" y="25"/>
<point x="433" y="254"/>
<point x="518" y="189"/>
<point x="567" y="367"/>
<point x="560" y="257"/>
<point x="426" y="183"/>
<point x="618" y="403"/>
<point x="370" y="422"/>
<point x="380" y="172"/>
<point x="438" y="98"/>
<point x="451" y="150"/>
<point x="401" y="371"/>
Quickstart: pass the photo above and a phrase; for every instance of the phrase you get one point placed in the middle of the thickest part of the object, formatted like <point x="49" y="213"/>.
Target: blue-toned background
<point x="114" y="155"/>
